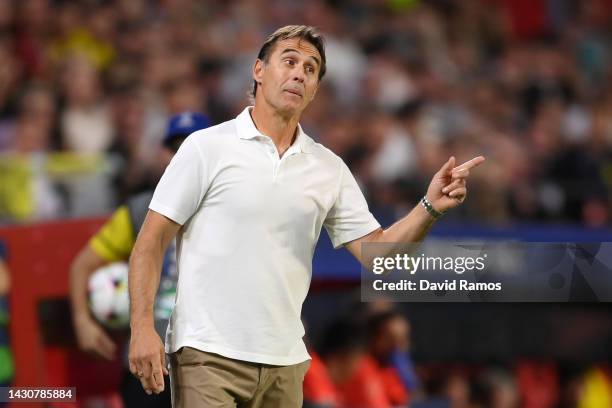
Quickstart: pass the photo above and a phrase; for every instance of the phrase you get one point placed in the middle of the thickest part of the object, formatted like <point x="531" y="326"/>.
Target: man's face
<point x="393" y="336"/>
<point x="289" y="79"/>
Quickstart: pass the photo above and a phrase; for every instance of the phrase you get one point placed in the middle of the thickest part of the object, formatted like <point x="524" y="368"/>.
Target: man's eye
<point x="290" y="62"/>
<point x="310" y="69"/>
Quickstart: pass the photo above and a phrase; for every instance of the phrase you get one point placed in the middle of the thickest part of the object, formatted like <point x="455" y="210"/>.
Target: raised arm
<point x="147" y="356"/>
<point x="446" y="191"/>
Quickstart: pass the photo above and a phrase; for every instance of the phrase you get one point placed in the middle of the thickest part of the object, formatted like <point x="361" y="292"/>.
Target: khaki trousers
<point x="200" y="380"/>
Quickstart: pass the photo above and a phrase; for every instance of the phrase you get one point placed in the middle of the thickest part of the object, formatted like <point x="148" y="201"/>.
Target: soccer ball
<point x="108" y="295"/>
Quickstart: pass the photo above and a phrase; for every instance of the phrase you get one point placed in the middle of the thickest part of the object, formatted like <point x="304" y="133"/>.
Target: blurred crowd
<point x="365" y="359"/>
<point x="86" y="87"/>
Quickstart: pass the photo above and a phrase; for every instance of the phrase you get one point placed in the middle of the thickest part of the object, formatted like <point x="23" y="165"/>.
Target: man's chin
<point x="287" y="107"/>
<point x="290" y="109"/>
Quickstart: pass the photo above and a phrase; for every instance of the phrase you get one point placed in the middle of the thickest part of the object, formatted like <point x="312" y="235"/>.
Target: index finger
<point x="158" y="374"/>
<point x="158" y="381"/>
<point x="476" y="161"/>
<point x="147" y="379"/>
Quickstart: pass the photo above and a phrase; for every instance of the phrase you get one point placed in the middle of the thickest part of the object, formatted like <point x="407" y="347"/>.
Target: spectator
<point x="413" y="80"/>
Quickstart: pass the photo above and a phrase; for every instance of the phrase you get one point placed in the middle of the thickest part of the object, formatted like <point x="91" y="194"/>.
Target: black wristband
<point x="432" y="211"/>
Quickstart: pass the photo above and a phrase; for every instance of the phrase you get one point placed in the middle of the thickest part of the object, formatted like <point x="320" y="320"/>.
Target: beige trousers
<point x="200" y="380"/>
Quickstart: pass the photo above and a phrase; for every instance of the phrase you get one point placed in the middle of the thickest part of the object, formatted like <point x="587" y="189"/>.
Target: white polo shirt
<point x="251" y="221"/>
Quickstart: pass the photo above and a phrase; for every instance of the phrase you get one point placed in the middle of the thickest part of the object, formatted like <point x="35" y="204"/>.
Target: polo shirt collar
<point x="247" y="130"/>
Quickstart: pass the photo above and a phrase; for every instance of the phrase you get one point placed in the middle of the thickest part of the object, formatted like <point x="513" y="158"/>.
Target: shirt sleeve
<point x="115" y="240"/>
<point x="183" y="184"/>
<point x="349" y="217"/>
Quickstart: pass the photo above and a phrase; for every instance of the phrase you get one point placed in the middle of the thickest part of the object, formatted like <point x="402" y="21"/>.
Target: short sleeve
<point x="183" y="184"/>
<point x="115" y="240"/>
<point x="349" y="218"/>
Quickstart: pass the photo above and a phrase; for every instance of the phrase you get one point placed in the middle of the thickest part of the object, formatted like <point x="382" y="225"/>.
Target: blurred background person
<point x="342" y="349"/>
<point x="113" y="243"/>
<point x="366" y="359"/>
<point x="389" y="346"/>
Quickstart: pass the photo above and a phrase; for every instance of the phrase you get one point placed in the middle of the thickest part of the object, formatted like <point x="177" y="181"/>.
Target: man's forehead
<point x="300" y="45"/>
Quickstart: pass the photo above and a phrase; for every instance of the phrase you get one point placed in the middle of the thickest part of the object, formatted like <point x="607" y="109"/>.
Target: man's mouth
<point x="294" y="92"/>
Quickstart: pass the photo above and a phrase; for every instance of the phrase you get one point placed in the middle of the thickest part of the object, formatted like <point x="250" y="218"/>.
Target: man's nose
<point x="298" y="74"/>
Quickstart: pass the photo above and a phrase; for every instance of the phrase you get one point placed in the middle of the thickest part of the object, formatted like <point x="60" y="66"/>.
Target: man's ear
<point x="258" y="69"/>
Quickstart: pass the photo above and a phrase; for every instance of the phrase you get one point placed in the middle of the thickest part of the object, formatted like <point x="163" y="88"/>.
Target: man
<point x="113" y="243"/>
<point x="248" y="199"/>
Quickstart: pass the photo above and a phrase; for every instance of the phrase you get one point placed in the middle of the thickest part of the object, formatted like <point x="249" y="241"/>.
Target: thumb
<point x="447" y="167"/>
<point x="105" y="346"/>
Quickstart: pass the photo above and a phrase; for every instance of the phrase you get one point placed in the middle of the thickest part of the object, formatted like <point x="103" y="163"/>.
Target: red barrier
<point x="39" y="257"/>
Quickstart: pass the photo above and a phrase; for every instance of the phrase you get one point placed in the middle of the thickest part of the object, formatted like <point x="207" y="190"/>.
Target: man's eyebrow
<point x="286" y="50"/>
